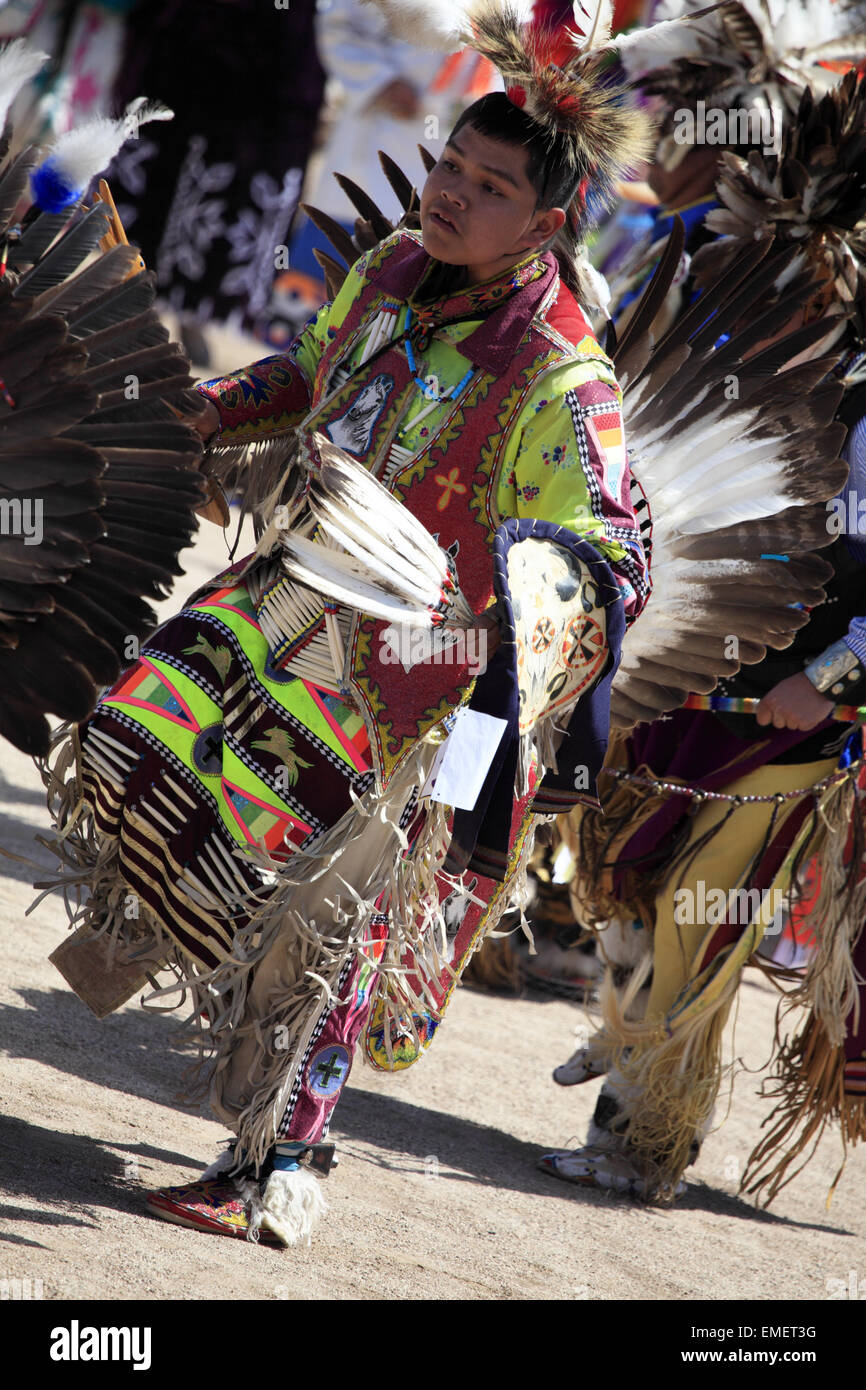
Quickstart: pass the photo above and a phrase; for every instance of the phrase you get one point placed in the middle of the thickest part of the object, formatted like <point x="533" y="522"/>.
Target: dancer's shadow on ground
<point x="78" y="1170"/>
<point x="26" y="796"/>
<point x="135" y="1052"/>
<point x="475" y="1153"/>
<point x="139" y="1055"/>
<point x="32" y="862"/>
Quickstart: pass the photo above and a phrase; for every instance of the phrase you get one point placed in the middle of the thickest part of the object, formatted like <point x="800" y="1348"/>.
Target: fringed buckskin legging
<point x="669" y="1064"/>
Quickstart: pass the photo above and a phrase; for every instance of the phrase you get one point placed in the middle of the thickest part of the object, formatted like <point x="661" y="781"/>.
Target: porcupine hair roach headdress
<point x="581" y="127"/>
<point x="755" y="56"/>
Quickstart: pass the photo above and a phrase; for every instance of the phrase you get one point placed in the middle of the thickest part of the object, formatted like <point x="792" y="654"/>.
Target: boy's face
<point x="478" y="206"/>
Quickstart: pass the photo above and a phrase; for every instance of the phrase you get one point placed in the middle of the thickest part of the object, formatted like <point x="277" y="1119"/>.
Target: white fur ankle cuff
<point x="292" y="1205"/>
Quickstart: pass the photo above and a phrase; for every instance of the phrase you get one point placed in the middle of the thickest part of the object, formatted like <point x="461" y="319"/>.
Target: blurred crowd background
<point x="270" y="97"/>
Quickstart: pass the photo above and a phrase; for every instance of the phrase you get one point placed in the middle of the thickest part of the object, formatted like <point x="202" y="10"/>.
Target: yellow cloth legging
<point x="678" y="948"/>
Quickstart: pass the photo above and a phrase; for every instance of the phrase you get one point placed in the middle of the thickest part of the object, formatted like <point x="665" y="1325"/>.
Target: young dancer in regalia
<point x="443" y="451"/>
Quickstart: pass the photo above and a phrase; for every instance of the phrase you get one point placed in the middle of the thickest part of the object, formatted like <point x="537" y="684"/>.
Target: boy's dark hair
<point x="550" y="171"/>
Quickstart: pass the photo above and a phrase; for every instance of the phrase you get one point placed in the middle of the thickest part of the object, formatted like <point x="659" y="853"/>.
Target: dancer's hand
<point x="793" y="704"/>
<point x="398" y="97"/>
<point x="206" y="422"/>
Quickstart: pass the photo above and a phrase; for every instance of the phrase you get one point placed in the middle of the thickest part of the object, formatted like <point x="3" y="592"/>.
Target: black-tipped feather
<point x="110" y="270"/>
<point x="337" y="235"/>
<point x="406" y="193"/>
<point x="37" y="239"/>
<point x="365" y="206"/>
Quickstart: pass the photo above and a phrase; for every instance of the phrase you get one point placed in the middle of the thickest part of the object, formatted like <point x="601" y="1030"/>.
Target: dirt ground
<point x="436" y="1195"/>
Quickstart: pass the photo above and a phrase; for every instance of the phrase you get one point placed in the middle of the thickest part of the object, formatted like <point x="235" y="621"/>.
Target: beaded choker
<point x="476" y="301"/>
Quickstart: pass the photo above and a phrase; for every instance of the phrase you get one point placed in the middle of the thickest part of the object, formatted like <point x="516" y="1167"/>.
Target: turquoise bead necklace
<point x="426" y="386"/>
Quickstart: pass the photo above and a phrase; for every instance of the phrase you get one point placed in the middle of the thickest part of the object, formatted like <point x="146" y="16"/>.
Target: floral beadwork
<point x="553" y="456"/>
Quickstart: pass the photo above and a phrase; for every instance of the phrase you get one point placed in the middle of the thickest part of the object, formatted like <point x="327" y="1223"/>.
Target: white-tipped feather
<point x="796" y="36"/>
<point x="668" y="40"/>
<point x="436" y="24"/>
<point x="380" y="558"/>
<point x="595" y="28"/>
<point x="388" y="564"/>
<point x="385" y="534"/>
<point x="706" y="463"/>
<point x="80" y="154"/>
<point x="18" y="65"/>
<point x="388" y="530"/>
<point x="346" y="580"/>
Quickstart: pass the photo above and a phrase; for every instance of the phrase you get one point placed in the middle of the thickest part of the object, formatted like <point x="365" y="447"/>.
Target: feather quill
<point x="346" y="580"/>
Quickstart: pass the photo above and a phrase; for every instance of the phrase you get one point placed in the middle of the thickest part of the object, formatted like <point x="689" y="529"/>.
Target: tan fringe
<point x="810" y="1083"/>
<point x="252" y="455"/>
<point x="670" y="1079"/>
<point x="539" y="748"/>
<point x="89" y="876"/>
<point x="95" y="893"/>
<point x="317" y="922"/>
<point x="261" y="473"/>
<point x="307" y="913"/>
<point x="808" y="1077"/>
<point x="512" y="894"/>
<point x="829" y="984"/>
<point x="672" y="1076"/>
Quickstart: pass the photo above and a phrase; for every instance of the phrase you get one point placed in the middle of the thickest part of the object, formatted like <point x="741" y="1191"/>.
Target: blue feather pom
<point x="51" y="189"/>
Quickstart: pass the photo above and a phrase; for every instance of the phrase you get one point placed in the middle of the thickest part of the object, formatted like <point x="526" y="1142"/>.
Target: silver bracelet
<point x="835" y="669"/>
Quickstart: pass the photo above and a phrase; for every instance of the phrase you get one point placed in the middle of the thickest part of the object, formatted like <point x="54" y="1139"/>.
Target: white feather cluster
<point x="18" y="65"/>
<point x="796" y="37"/>
<point x="80" y="154"/>
<point x="380" y="560"/>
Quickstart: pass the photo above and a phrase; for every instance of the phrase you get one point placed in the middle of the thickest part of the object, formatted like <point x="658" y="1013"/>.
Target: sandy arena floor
<point x="436" y="1196"/>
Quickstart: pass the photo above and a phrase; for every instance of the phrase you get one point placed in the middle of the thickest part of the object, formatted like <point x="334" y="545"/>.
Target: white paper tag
<point x="464" y="759"/>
